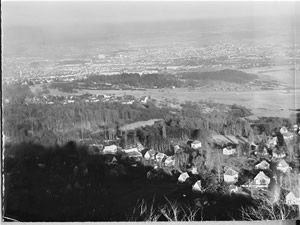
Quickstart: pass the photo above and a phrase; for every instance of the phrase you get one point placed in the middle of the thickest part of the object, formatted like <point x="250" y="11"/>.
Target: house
<point x="194" y="170"/>
<point x="231" y="175"/>
<point x="221" y="141"/>
<point x="197" y="187"/>
<point x="170" y="161"/>
<point x="111" y="149"/>
<point x="261" y="180"/>
<point x="160" y="156"/>
<point x="288" y="137"/>
<point x="272" y="143"/>
<point x="130" y="150"/>
<point x="133" y="153"/>
<point x="278" y="155"/>
<point x="182" y="178"/>
<point x="253" y="146"/>
<point x="292" y="198"/>
<point x="114" y="160"/>
<point x="263" y="165"/>
<point x="176" y="148"/>
<point x="233" y="189"/>
<point x="139" y="147"/>
<point x="283" y="166"/>
<point x="144" y="99"/>
<point x="283" y="130"/>
<point x="295" y="128"/>
<point x="229" y="151"/>
<point x="150" y="154"/>
<point x="196" y="144"/>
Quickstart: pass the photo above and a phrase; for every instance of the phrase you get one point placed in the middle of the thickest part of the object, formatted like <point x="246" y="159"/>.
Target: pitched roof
<point x="160" y="155"/>
<point x="197" y="186"/>
<point x="296" y="193"/>
<point x="233" y="139"/>
<point x="219" y="139"/>
<point x="183" y="177"/>
<point x="196" y="142"/>
<point x="262" y="175"/>
<point x="230" y="172"/>
<point x="243" y="140"/>
<point x="263" y="163"/>
<point x="282" y="163"/>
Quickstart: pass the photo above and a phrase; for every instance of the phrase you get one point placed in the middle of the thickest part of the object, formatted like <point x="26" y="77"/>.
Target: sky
<point x="80" y="13"/>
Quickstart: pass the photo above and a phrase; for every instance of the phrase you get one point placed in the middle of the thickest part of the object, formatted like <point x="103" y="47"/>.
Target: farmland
<point x="263" y="103"/>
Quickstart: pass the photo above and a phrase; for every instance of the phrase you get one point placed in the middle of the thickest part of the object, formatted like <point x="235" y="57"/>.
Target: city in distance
<point x="113" y="113"/>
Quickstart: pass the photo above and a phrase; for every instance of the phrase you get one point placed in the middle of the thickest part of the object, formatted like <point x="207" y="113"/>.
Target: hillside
<point x="227" y="75"/>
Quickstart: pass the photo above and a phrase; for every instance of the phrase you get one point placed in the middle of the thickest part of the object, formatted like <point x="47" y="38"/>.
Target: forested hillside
<point x="228" y="75"/>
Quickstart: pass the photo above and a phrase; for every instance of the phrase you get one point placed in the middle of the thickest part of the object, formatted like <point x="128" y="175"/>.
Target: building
<point x="261" y="180"/>
<point x="194" y="170"/>
<point x="272" y="143"/>
<point x="133" y="153"/>
<point x="292" y="198"/>
<point x="231" y="176"/>
<point x="182" y="178"/>
<point x="196" y="144"/>
<point x="229" y="151"/>
<point x="150" y="154"/>
<point x="160" y="156"/>
<point x="170" y="161"/>
<point x="263" y="165"/>
<point x="283" y="166"/>
<point x="278" y="155"/>
<point x="111" y="149"/>
<point x="197" y="187"/>
<point x="233" y="189"/>
<point x="176" y="148"/>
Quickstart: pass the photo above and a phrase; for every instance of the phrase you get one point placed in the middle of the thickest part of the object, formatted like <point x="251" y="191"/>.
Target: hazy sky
<point x="53" y="13"/>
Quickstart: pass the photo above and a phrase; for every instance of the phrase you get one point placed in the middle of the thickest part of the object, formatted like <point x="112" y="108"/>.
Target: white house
<point x="261" y="180"/>
<point x="194" y="170"/>
<point x="144" y="100"/>
<point x="114" y="160"/>
<point x="283" y="130"/>
<point x="176" y="148"/>
<point x="292" y="198"/>
<point x="263" y="165"/>
<point x="140" y="147"/>
<point x="160" y="156"/>
<point x="182" y="178"/>
<point x="170" y="161"/>
<point x="111" y="149"/>
<point x="130" y="150"/>
<point x="150" y="154"/>
<point x="272" y="142"/>
<point x="231" y="175"/>
<point x="196" y="144"/>
<point x="280" y="155"/>
<point x="133" y="153"/>
<point x="197" y="186"/>
<point x="233" y="188"/>
<point x="283" y="166"/>
<point x="227" y="151"/>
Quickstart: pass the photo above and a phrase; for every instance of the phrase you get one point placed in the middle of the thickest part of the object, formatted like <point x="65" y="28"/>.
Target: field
<point x="283" y="74"/>
<point x="279" y="103"/>
<point x="263" y="103"/>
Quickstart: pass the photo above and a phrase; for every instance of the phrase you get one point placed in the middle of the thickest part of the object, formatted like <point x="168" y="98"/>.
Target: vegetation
<point x="267" y="210"/>
<point x="228" y="75"/>
<point x="136" y="80"/>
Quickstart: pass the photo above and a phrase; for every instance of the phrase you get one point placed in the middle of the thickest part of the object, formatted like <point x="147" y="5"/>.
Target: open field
<point x="283" y="74"/>
<point x="263" y="103"/>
